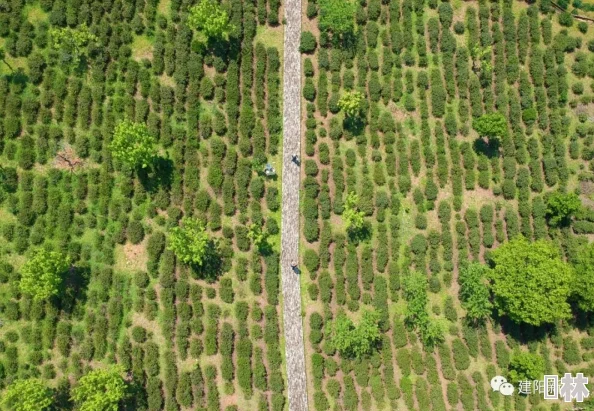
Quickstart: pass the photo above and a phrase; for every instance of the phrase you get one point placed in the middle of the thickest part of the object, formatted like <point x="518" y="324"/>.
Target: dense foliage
<point x="43" y="273"/>
<point x="531" y="283"/>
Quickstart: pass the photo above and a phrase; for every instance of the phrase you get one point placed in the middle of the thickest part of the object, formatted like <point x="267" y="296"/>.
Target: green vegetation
<point x="531" y="283"/>
<point x="525" y="366"/>
<point x="132" y="141"/>
<point x="100" y="389"/>
<point x="210" y="19"/>
<point x="354" y="340"/>
<point x="189" y="242"/>
<point x="132" y="144"/>
<point x="445" y="130"/>
<point x="561" y="207"/>
<point x="28" y="395"/>
<point x="42" y="274"/>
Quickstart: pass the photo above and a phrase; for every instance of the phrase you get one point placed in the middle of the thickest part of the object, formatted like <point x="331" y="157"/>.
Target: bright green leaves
<point x="354" y="341"/>
<point x="72" y="42"/>
<point x="525" y="366"/>
<point x="530" y="282"/>
<point x="133" y="145"/>
<point x="350" y="103"/>
<point x="100" y="390"/>
<point x="561" y="207"/>
<point x="189" y="242"/>
<point x="210" y="19"/>
<point x="27" y="395"/>
<point x="337" y="17"/>
<point x="474" y="292"/>
<point x="41" y="275"/>
<point x="353" y="218"/>
<point x="493" y="125"/>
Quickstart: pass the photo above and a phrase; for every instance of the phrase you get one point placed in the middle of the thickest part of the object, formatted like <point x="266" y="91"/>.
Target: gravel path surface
<point x="293" y="326"/>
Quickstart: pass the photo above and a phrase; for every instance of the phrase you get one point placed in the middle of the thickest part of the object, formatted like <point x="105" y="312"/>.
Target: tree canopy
<point x="561" y="207"/>
<point x="210" y="19"/>
<point x="352" y="216"/>
<point x="41" y="275"/>
<point x="584" y="278"/>
<point x="354" y="341"/>
<point x="525" y="366"/>
<point x="100" y="390"/>
<point x="350" y="103"/>
<point x="337" y="17"/>
<point x="27" y="395"/>
<point x="133" y="144"/>
<point x="530" y="282"/>
<point x="474" y="292"/>
<point x="189" y="242"/>
<point x="492" y="125"/>
<point x="72" y="42"/>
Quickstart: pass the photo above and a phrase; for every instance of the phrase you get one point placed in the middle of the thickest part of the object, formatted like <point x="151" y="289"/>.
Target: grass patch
<point x="142" y="48"/>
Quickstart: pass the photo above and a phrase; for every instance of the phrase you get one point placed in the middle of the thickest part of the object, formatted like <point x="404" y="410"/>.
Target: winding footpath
<point x="293" y="326"/>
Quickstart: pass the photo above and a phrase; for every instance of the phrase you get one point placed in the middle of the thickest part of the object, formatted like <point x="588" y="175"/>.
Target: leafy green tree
<point x="415" y="294"/>
<point x="72" y="42"/>
<point x="257" y="236"/>
<point x="474" y="292"/>
<point x="481" y="60"/>
<point x="27" y="395"/>
<point x="3" y="58"/>
<point x="133" y="144"/>
<point x="561" y="207"/>
<point x="189" y="242"/>
<point x="352" y="216"/>
<point x="337" y="17"/>
<point x="492" y="125"/>
<point x="525" y="366"/>
<point x="530" y="282"/>
<point x="210" y="19"/>
<point x="354" y="341"/>
<point x="100" y="390"/>
<point x="41" y="275"/>
<point x="350" y="102"/>
<point x="583" y="289"/>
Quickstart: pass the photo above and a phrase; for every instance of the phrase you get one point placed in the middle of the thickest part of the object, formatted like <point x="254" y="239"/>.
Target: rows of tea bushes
<point x="432" y="192"/>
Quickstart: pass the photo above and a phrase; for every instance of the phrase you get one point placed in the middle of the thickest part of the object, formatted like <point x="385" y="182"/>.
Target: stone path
<point x="293" y="326"/>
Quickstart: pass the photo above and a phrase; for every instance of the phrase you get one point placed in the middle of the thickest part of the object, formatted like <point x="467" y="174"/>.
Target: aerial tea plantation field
<point x="201" y="104"/>
<point x="442" y="140"/>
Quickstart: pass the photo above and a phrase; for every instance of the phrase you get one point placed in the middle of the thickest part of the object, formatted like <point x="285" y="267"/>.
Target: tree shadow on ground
<point x="524" y="333"/>
<point x="74" y="294"/>
<point x="157" y="175"/>
<point x="212" y="264"/>
<point x="488" y="148"/>
<point x="360" y="235"/>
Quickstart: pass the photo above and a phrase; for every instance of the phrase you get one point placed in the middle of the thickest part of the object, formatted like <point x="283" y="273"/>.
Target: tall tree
<point x="102" y="389"/>
<point x="133" y="144"/>
<point x="42" y="274"/>
<point x="352" y="216"/>
<point x="530" y="282"/>
<point x="350" y="103"/>
<point x="27" y="395"/>
<point x="584" y="278"/>
<point x="337" y="17"/>
<point x="492" y="126"/>
<point x="72" y="42"/>
<point x="474" y="292"/>
<point x="525" y="366"/>
<point x="561" y="207"/>
<point x="351" y="340"/>
<point x="210" y="19"/>
<point x="189" y="242"/>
